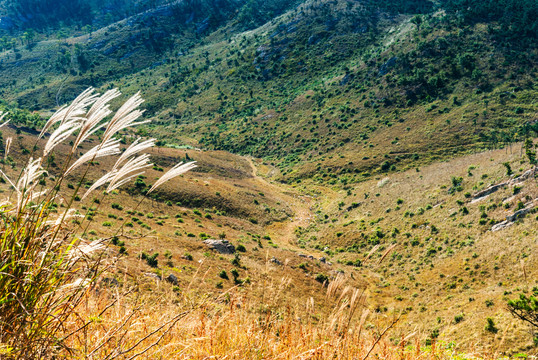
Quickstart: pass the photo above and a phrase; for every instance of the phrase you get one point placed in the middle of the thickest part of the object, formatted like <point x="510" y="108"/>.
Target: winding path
<point x="283" y="232"/>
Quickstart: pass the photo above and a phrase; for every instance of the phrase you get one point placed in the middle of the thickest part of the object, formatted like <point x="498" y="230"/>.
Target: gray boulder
<point x="221" y="246"/>
<point x="172" y="279"/>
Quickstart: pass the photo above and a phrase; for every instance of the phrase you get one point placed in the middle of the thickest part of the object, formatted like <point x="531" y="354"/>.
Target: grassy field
<point x="403" y="241"/>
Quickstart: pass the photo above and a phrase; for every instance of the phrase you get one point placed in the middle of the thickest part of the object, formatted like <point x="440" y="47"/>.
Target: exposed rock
<point x="520" y="213"/>
<point x="152" y="275"/>
<point x="524" y="176"/>
<point x="490" y="190"/>
<point x="172" y="279"/>
<point x="221" y="246"/>
<point x="274" y="260"/>
<point x="384" y="69"/>
<point x="313" y="39"/>
<point x="302" y="255"/>
<point x="346" y="79"/>
<point x="310" y="257"/>
<point x="322" y="259"/>
<point x="511" y="218"/>
<point x="501" y="225"/>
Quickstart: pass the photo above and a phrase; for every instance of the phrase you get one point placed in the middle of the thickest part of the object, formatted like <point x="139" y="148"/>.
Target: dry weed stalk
<point x="239" y="328"/>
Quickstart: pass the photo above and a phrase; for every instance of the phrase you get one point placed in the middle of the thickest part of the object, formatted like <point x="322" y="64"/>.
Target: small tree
<point x="417" y="20"/>
<point x="530" y="152"/>
<point x="526" y="309"/>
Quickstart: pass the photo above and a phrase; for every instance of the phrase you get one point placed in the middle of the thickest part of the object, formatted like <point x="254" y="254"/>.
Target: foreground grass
<point x="122" y="323"/>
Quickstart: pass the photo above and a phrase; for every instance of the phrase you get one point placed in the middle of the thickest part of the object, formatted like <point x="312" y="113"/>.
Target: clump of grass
<point x="45" y="270"/>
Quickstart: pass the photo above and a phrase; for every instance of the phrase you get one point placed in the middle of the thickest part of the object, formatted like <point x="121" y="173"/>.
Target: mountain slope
<point x="325" y="78"/>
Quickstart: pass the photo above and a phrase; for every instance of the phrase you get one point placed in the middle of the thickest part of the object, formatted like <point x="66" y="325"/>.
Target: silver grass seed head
<point x="135" y="148"/>
<point x="177" y="170"/>
<point x="75" y="111"/>
<point x="109" y="148"/>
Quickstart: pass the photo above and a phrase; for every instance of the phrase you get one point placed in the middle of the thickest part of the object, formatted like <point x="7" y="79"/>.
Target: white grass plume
<point x="9" y="140"/>
<point x="69" y="214"/>
<point x="133" y="149"/>
<point x="61" y="134"/>
<point x="116" y="184"/>
<point x="93" y="121"/>
<point x="28" y="181"/>
<point x="30" y="175"/>
<point x="172" y="173"/>
<point x="100" y="182"/>
<point x="125" y="117"/>
<point x="86" y="249"/>
<point x="123" y="175"/>
<point x="75" y="111"/>
<point x="109" y="148"/>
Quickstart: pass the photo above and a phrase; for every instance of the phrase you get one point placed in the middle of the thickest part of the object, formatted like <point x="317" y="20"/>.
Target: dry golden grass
<point x="266" y="323"/>
<point x="235" y="326"/>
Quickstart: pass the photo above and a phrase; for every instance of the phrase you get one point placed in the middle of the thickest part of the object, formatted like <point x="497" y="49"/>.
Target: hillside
<point x="378" y="145"/>
<point x="429" y="244"/>
<point x="323" y="78"/>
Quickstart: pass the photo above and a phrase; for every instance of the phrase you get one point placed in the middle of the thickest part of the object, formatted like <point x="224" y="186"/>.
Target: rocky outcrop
<point x="529" y="208"/>
<point x="488" y="191"/>
<point x="521" y="213"/>
<point x="501" y="225"/>
<point x="527" y="174"/>
<point x="221" y="246"/>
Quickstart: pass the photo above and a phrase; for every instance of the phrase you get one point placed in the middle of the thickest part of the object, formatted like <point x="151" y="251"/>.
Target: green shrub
<point x="490" y="326"/>
<point x="223" y="274"/>
<point x="151" y="260"/>
<point x="116" y="206"/>
<point x="321" y="278"/>
<point x="236" y="261"/>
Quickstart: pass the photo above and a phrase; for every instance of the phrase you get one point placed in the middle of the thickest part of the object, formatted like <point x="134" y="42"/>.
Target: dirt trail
<point x="283" y="233"/>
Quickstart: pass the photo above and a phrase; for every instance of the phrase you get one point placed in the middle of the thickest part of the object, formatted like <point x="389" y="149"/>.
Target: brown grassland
<point x="389" y="307"/>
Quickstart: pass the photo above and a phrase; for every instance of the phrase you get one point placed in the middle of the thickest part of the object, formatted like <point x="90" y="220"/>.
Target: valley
<point x="371" y="163"/>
